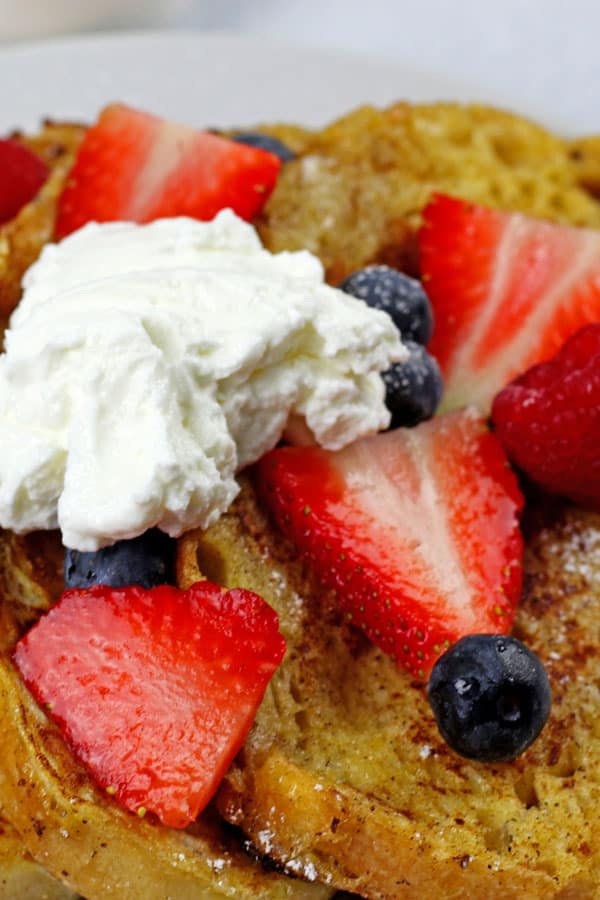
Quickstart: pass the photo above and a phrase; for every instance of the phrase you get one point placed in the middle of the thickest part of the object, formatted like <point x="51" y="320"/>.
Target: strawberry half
<point x="137" y="167"/>
<point x="22" y="174"/>
<point x="155" y="691"/>
<point x="415" y="529"/>
<point x="506" y="290"/>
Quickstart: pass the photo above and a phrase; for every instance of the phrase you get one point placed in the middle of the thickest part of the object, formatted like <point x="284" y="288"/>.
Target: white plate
<point x="206" y="79"/>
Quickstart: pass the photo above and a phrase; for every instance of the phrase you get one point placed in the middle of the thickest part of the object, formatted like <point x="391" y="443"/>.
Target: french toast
<point x="344" y="778"/>
<point x="66" y="822"/>
<point x="345" y="770"/>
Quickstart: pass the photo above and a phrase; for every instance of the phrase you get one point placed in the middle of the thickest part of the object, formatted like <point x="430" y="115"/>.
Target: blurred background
<point x="546" y="50"/>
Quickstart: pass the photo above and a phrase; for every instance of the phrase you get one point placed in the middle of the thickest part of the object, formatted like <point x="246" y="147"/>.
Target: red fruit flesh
<point x="155" y="691"/>
<point x="136" y="167"/>
<point x="549" y="419"/>
<point x="416" y="530"/>
<point x="506" y="290"/>
<point x="22" y="174"/>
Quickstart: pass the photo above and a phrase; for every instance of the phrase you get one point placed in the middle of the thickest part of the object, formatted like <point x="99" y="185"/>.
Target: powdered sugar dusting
<point x="579" y="553"/>
<point x="281" y="589"/>
<point x="265" y="840"/>
<point x="303" y="868"/>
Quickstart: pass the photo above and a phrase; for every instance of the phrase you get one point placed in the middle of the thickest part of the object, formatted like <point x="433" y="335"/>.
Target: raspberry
<point x="549" y="419"/>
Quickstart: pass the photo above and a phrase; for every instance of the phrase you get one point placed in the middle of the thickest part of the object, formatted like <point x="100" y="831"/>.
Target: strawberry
<point x="155" y="691"/>
<point x="416" y="530"/>
<point x="507" y="291"/>
<point x="549" y="419"/>
<point x="137" y="167"/>
<point x="22" y="174"/>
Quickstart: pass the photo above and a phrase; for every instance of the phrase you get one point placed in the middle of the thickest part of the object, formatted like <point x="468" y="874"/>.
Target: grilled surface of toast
<point x="345" y="771"/>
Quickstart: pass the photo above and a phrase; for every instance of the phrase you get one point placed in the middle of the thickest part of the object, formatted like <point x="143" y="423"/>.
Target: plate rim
<point x="380" y="70"/>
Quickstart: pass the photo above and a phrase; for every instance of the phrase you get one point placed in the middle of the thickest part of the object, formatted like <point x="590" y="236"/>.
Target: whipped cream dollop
<point x="146" y="364"/>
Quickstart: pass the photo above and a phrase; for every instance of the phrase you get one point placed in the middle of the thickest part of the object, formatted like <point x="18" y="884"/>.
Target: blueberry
<point x="264" y="142"/>
<point x="401" y="297"/>
<point x="413" y="389"/>
<point x="490" y="695"/>
<point x="147" y="560"/>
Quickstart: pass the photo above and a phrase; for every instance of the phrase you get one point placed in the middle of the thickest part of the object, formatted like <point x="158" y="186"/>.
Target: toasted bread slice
<point x="65" y="821"/>
<point x="345" y="773"/>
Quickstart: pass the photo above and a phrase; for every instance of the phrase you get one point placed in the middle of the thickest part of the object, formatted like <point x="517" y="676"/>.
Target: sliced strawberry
<point x="416" y="530"/>
<point x="155" y="690"/>
<point x="136" y="167"/>
<point x="506" y="292"/>
<point x="22" y="174"/>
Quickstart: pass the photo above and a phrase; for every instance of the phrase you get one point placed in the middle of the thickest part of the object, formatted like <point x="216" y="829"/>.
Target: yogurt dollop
<point x="146" y="364"/>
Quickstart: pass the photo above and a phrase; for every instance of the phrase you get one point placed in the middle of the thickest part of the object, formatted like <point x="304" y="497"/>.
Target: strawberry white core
<point x="403" y="497"/>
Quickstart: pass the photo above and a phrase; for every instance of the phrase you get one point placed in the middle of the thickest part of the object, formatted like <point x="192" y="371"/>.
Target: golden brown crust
<point x="355" y="194"/>
<point x="345" y="754"/>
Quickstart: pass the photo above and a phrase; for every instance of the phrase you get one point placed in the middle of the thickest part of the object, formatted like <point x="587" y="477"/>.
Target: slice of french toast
<point x="345" y="773"/>
<point x="65" y="821"/>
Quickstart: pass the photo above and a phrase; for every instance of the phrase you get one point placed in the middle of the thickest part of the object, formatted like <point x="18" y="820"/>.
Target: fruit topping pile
<point x="22" y="174"/>
<point x="417" y="530"/>
<point x="155" y="690"/>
